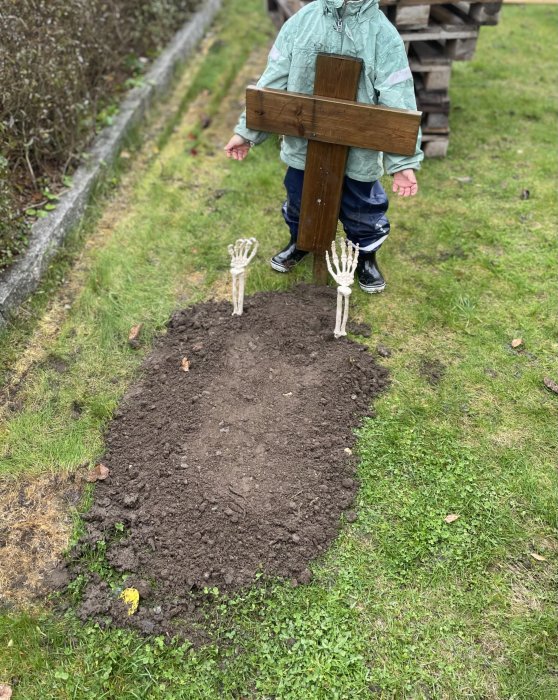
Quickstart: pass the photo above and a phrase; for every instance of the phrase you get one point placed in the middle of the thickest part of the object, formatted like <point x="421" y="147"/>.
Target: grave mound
<point x="228" y="457"/>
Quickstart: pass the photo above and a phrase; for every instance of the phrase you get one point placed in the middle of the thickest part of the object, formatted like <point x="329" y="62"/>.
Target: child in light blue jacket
<point x="355" y="28"/>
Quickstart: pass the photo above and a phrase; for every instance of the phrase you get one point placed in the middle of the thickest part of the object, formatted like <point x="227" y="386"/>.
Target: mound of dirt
<point x="229" y="456"/>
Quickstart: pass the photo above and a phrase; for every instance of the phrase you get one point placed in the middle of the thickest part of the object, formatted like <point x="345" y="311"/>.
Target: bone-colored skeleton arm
<point x="242" y="252"/>
<point x="344" y="275"/>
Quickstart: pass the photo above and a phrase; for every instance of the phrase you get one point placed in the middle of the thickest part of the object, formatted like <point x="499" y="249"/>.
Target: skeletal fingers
<point x="241" y="252"/>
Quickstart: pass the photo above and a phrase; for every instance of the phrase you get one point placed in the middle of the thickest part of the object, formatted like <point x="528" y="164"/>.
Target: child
<point x="353" y="28"/>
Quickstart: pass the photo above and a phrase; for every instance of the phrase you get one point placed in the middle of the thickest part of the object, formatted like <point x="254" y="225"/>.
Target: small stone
<point x="383" y="351"/>
<point x="350" y="516"/>
<point x="131" y="500"/>
<point x="348" y="483"/>
<point x="295" y="538"/>
<point x="146" y="626"/>
<point x="305" y="576"/>
<point x="144" y="588"/>
<point x="57" y="578"/>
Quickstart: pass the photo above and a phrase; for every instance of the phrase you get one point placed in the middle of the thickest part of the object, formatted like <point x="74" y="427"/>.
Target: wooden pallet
<point x="435" y="34"/>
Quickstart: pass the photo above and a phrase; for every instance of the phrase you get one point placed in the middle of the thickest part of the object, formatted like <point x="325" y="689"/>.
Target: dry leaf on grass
<point x="451" y="518"/>
<point x="98" y="473"/>
<point x="5" y="692"/>
<point x="134" y="335"/>
<point x="551" y="384"/>
<point x="537" y="557"/>
<point x="516" y="342"/>
<point x="185" y="364"/>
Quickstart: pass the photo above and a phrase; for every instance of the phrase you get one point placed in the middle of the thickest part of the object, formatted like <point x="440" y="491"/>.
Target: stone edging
<point x="47" y="234"/>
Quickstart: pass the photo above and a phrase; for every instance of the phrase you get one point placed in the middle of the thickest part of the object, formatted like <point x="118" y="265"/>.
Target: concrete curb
<point x="47" y="234"/>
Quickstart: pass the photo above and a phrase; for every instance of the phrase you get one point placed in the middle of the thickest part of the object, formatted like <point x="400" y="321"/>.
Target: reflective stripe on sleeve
<point x="399" y="76"/>
<point x="274" y="54"/>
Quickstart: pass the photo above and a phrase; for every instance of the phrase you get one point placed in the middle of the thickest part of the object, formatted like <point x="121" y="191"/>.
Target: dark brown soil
<point x="237" y="466"/>
<point x="432" y="370"/>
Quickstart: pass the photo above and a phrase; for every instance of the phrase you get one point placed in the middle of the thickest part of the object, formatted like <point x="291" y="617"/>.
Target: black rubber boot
<point x="286" y="259"/>
<point x="370" y="279"/>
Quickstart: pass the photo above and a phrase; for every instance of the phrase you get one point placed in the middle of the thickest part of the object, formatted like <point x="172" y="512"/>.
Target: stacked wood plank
<point x="435" y="34"/>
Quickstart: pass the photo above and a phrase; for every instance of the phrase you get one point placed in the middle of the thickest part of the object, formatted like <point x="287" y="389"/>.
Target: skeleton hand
<point x="240" y="257"/>
<point x="344" y="275"/>
<point x="240" y="253"/>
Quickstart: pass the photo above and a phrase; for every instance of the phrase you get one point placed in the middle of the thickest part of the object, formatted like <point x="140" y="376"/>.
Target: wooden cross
<point x="332" y="121"/>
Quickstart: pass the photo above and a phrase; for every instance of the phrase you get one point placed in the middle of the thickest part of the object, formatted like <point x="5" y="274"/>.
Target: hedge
<point x="62" y="65"/>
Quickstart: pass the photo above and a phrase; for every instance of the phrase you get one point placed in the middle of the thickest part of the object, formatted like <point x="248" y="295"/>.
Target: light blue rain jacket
<point x="358" y="29"/>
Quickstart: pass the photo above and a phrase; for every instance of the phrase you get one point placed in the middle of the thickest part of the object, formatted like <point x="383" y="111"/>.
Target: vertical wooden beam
<point x="336" y="76"/>
<point x="319" y="269"/>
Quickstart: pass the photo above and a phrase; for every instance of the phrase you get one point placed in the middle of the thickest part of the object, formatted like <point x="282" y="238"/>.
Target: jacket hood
<point x="360" y="7"/>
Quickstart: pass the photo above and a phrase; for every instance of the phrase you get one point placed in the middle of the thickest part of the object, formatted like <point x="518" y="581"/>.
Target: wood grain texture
<point x="336" y="76"/>
<point x="319" y="269"/>
<point x="321" y="195"/>
<point x="412" y="16"/>
<point x="329" y="120"/>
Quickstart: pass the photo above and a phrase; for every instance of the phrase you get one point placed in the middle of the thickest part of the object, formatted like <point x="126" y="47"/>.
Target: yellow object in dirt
<point x="131" y="597"/>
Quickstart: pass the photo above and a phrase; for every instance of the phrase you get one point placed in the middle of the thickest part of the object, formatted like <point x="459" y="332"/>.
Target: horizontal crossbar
<point x="331" y="120"/>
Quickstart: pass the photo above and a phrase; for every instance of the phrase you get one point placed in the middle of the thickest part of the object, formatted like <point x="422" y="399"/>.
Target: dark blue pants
<point x="363" y="210"/>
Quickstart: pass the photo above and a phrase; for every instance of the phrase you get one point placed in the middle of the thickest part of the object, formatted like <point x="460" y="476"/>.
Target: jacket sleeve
<point x="394" y="88"/>
<point x="275" y="76"/>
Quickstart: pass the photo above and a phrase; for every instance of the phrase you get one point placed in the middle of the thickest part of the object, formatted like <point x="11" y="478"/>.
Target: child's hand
<point x="405" y="183"/>
<point x="237" y="148"/>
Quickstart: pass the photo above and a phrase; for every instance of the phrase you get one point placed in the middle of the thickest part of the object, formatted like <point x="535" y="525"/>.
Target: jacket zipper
<point x="338" y="26"/>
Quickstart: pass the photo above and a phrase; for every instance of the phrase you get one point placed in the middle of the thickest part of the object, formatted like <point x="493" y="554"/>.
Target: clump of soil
<point x="234" y="460"/>
<point x="432" y="370"/>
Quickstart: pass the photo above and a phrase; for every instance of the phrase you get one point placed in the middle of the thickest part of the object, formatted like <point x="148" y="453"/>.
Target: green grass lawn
<point x="404" y="605"/>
